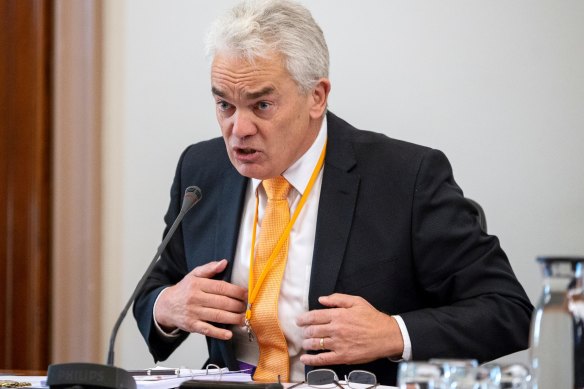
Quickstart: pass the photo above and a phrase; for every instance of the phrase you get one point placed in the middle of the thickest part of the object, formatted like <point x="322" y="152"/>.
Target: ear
<point x="319" y="98"/>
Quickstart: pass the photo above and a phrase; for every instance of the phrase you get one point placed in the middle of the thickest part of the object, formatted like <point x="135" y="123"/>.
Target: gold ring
<point x="321" y="343"/>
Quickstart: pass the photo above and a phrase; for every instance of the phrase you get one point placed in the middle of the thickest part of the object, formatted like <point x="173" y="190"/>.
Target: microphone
<point x="192" y="196"/>
<point x="108" y="376"/>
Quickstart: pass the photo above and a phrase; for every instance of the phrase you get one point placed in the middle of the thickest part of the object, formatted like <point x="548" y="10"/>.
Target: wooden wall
<point x="25" y="182"/>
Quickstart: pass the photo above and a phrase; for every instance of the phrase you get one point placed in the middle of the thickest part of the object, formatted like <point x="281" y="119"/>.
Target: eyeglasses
<point x="326" y="377"/>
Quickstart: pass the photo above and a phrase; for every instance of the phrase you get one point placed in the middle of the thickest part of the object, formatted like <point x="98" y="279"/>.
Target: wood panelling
<point x="25" y="182"/>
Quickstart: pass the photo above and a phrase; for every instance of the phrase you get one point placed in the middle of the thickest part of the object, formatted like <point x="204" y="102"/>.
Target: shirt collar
<point x="299" y="173"/>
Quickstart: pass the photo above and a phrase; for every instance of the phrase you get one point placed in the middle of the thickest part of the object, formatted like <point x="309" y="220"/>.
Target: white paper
<point x="154" y="381"/>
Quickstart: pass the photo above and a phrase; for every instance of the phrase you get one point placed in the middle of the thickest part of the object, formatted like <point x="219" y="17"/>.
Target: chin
<point x="249" y="172"/>
<point x="255" y="170"/>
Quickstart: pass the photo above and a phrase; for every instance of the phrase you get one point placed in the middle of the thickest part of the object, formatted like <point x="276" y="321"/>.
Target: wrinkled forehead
<point x="236" y="60"/>
<point x="229" y="72"/>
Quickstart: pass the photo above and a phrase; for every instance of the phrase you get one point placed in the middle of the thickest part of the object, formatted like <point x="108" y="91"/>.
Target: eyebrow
<point x="263" y="92"/>
<point x="250" y="96"/>
<point x="217" y="92"/>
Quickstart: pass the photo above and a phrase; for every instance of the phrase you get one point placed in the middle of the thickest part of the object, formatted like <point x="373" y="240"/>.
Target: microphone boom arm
<point x="192" y="196"/>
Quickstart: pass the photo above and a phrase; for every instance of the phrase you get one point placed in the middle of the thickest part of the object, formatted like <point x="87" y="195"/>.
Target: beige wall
<point x="76" y="171"/>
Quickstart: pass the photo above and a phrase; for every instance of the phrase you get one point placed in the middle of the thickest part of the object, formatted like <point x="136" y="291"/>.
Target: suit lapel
<point x="335" y="213"/>
<point x="230" y="208"/>
<point x="229" y="217"/>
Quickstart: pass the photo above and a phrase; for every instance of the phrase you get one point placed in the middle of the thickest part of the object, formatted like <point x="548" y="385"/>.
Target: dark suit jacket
<point x="393" y="227"/>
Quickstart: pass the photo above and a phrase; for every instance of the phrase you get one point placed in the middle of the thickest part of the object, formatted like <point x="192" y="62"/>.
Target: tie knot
<point x="277" y="188"/>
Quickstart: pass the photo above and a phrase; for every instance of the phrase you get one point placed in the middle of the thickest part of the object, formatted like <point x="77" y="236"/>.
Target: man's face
<point x="266" y="122"/>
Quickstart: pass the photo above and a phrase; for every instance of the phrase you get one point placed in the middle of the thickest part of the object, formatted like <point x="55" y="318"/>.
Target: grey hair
<point x="259" y="28"/>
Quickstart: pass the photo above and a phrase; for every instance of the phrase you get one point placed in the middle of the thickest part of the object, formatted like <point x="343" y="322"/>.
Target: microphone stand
<point x="65" y="375"/>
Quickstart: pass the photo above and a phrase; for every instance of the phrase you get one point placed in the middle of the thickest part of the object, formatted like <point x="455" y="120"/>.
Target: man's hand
<point x="353" y="331"/>
<point x="197" y="300"/>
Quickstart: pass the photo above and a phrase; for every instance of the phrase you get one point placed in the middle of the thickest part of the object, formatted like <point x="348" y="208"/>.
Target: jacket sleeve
<point x="476" y="307"/>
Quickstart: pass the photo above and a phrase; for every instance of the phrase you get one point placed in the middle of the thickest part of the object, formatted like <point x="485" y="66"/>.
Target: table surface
<point x="23" y="372"/>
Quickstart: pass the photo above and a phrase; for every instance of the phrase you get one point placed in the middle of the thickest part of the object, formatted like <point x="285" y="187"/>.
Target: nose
<point x="243" y="124"/>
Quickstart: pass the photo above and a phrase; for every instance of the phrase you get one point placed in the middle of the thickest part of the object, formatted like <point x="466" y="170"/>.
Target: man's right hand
<point x="198" y="300"/>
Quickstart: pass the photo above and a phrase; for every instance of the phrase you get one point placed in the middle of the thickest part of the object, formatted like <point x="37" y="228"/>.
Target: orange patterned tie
<point x="274" y="358"/>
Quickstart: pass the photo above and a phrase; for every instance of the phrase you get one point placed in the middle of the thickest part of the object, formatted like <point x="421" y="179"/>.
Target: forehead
<point x="231" y="74"/>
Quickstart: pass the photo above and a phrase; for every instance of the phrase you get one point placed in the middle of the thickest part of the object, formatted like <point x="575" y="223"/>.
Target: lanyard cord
<point x="253" y="290"/>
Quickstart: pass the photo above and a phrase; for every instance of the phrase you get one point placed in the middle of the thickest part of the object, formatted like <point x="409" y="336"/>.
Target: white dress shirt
<point x="293" y="299"/>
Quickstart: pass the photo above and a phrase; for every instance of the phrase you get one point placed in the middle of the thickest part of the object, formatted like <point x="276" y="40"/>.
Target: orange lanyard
<point x="253" y="290"/>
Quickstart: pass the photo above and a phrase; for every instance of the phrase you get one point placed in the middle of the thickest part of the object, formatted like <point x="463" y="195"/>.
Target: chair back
<point x="480" y="214"/>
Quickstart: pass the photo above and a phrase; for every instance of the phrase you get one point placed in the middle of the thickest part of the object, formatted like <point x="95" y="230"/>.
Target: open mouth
<point x="246" y="154"/>
<point x="246" y="151"/>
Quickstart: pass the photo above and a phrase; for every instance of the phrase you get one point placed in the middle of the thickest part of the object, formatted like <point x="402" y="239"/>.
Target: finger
<point x="321" y="359"/>
<point x="338" y="300"/>
<point x="317" y="331"/>
<point x="206" y="329"/>
<point x="315" y="344"/>
<point x="225" y="303"/>
<point x="220" y="316"/>
<point x="210" y="269"/>
<point x="315" y="317"/>
<point x="223" y="288"/>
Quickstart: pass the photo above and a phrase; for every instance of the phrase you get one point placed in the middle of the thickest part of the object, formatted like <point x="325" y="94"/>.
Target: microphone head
<point x="194" y="191"/>
<point x="192" y="196"/>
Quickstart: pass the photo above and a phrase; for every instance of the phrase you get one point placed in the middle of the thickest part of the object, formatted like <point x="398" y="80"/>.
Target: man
<point x="383" y="258"/>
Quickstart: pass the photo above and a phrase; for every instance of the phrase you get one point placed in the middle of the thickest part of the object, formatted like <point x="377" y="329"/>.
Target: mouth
<point x="245" y="151"/>
<point x="246" y="154"/>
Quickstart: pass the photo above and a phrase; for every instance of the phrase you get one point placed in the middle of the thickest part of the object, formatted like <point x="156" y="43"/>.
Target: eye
<point x="223" y="105"/>
<point x="263" y="105"/>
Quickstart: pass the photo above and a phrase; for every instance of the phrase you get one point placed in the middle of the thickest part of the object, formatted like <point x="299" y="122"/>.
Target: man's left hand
<point x="351" y="331"/>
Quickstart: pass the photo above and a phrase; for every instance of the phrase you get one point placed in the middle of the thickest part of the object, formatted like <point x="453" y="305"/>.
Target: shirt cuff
<point x="407" y="354"/>
<point x="161" y="332"/>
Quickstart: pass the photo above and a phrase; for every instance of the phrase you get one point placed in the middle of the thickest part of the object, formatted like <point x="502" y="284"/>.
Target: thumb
<point x="210" y="269"/>
<point x="337" y="300"/>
